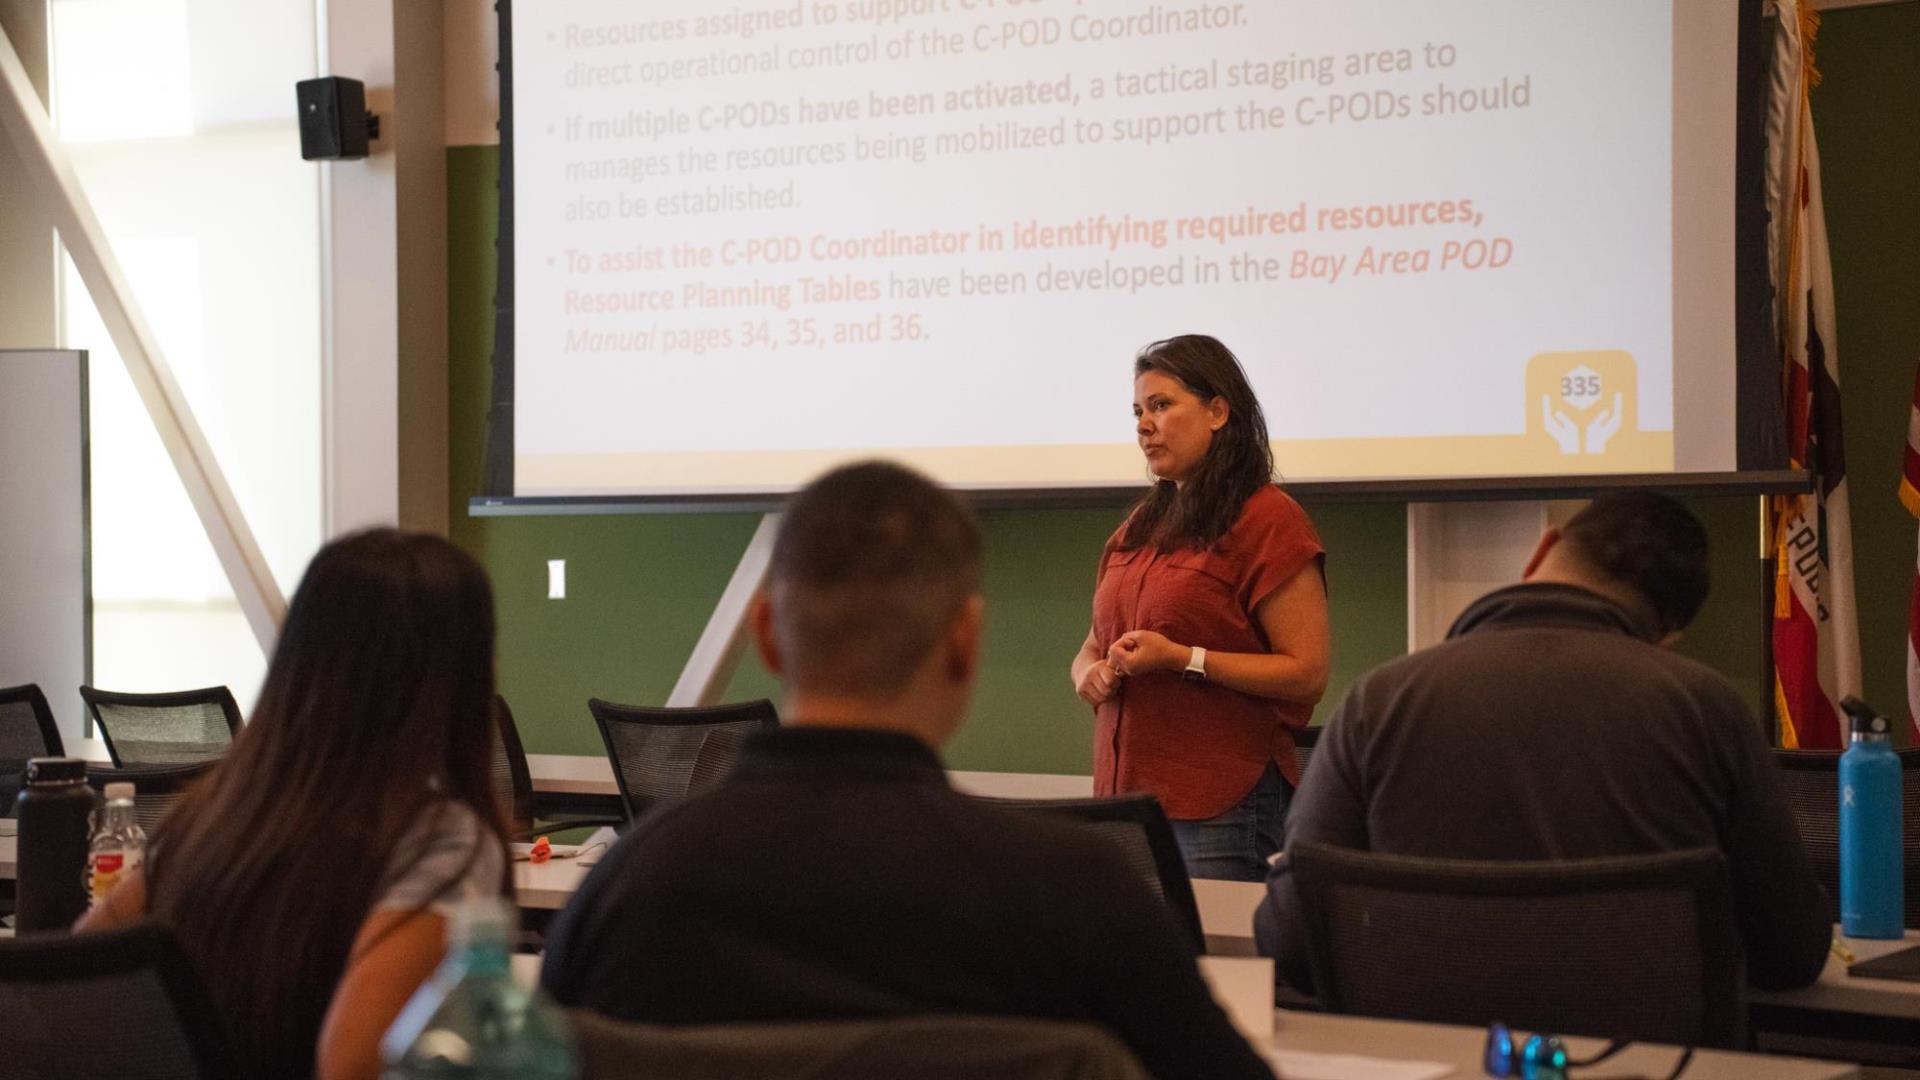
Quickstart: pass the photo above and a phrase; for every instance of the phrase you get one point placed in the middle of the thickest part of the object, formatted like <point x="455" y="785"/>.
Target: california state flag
<point x="1910" y="496"/>
<point x="1816" y="636"/>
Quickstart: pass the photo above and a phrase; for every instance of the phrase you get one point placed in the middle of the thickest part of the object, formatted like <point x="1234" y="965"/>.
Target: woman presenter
<point x="1209" y="644"/>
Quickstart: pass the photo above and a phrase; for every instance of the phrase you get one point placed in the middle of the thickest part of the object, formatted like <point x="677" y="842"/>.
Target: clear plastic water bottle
<point x="1872" y="900"/>
<point x="471" y="1020"/>
<point x="117" y="845"/>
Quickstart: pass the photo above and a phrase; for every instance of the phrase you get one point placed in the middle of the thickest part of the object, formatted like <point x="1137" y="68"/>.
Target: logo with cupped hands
<point x="1580" y="401"/>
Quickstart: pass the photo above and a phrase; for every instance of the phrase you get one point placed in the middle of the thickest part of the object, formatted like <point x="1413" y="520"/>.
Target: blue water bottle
<point x="1872" y="900"/>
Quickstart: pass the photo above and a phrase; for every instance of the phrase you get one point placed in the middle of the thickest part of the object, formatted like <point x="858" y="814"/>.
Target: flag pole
<point x="1768" y="708"/>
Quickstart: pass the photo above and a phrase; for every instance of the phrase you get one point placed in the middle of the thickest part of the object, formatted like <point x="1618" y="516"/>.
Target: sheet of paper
<point x="1299" y="1065"/>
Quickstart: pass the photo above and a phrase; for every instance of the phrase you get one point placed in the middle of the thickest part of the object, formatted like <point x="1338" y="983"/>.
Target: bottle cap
<point x="56" y="770"/>
<point x="1870" y="724"/>
<point x="481" y="920"/>
<point x="119" y="789"/>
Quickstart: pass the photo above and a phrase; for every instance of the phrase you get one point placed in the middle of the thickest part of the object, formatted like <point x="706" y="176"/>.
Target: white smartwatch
<point x="1196" y="666"/>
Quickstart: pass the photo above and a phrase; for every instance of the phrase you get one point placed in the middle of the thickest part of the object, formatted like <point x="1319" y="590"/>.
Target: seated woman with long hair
<point x="309" y="875"/>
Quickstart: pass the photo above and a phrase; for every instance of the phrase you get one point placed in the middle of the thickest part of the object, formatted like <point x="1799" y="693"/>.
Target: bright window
<point x="179" y="117"/>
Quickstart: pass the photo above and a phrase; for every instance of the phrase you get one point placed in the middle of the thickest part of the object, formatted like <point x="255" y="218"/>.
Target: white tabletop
<point x="1226" y="914"/>
<point x="1010" y="785"/>
<point x="580" y="774"/>
<point x="572" y="774"/>
<point x="1461" y="1048"/>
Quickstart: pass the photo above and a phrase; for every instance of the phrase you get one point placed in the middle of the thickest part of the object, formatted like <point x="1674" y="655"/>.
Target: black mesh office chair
<point x="1641" y="947"/>
<point x="1137" y="825"/>
<point x="1304" y="740"/>
<point x="27" y="731"/>
<point x="156" y="788"/>
<point x="164" y="729"/>
<point x="513" y="782"/>
<point x="1812" y="780"/>
<point x="146" y="1015"/>
<point x="653" y="750"/>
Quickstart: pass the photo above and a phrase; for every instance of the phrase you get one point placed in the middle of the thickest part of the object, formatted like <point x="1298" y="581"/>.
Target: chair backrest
<point x="930" y="1047"/>
<point x="1638" y="947"/>
<point x="512" y="781"/>
<point x="164" y="729"/>
<point x="1138" y="827"/>
<point x="653" y="750"/>
<point x="156" y="788"/>
<point x="1812" y="781"/>
<point x="27" y="730"/>
<point x="1304" y="740"/>
<point x="718" y="751"/>
<point x="146" y="1015"/>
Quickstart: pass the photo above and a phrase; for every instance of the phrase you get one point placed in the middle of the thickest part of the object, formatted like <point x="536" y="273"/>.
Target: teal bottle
<point x="471" y="1021"/>
<point x="1872" y="900"/>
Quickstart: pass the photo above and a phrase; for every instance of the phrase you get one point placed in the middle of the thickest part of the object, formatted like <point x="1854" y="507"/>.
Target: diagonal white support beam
<point x="51" y="176"/>
<point x="717" y="654"/>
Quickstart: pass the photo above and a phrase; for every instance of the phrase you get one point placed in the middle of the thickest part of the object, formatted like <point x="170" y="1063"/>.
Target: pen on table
<point x="1839" y="949"/>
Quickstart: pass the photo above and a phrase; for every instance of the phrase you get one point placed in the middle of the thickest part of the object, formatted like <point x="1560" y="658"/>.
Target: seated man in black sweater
<point x="835" y="874"/>
<point x="1554" y="724"/>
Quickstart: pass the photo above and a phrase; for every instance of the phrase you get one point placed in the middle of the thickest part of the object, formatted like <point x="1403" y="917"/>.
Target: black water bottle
<point x="54" y="806"/>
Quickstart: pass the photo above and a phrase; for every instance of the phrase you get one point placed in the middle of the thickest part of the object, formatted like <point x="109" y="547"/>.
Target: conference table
<point x="1226" y="916"/>
<point x="1320" y="1046"/>
<point x="1874" y="1021"/>
<point x="1838" y="992"/>
<point x="1870" y="1011"/>
<point x="1245" y="987"/>
<point x="1226" y="907"/>
<point x="587" y="781"/>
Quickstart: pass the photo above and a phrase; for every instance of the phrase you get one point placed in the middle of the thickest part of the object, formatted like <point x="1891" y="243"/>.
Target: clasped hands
<point x="1570" y="435"/>
<point x="1135" y="652"/>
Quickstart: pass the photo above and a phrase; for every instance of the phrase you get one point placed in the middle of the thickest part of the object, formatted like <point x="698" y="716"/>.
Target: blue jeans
<point x="1235" y="845"/>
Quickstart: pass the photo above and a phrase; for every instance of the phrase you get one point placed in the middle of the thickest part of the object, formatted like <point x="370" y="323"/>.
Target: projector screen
<point x="1448" y="242"/>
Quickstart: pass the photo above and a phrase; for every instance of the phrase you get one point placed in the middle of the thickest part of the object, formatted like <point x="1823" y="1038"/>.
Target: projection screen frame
<point x="1493" y="489"/>
<point x="1761" y="462"/>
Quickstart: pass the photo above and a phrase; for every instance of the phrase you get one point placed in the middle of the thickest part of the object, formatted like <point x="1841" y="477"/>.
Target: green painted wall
<point x="640" y="588"/>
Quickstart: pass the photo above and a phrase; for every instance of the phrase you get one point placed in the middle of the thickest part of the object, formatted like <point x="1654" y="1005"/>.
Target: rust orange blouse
<point x="1199" y="746"/>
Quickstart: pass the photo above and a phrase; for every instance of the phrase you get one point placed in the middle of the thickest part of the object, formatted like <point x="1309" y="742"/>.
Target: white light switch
<point x="556" y="579"/>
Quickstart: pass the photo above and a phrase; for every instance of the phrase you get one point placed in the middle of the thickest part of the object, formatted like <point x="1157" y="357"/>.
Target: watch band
<point x="1197" y="665"/>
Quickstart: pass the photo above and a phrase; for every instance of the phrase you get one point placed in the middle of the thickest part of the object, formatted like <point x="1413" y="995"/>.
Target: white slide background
<point x="1569" y="178"/>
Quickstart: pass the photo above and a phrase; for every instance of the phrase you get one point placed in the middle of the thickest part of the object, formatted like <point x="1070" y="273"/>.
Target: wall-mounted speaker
<point x="334" y="122"/>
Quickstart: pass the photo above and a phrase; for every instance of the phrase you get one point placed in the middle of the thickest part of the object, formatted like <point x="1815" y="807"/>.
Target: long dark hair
<point x="375" y="711"/>
<point x="1238" y="463"/>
